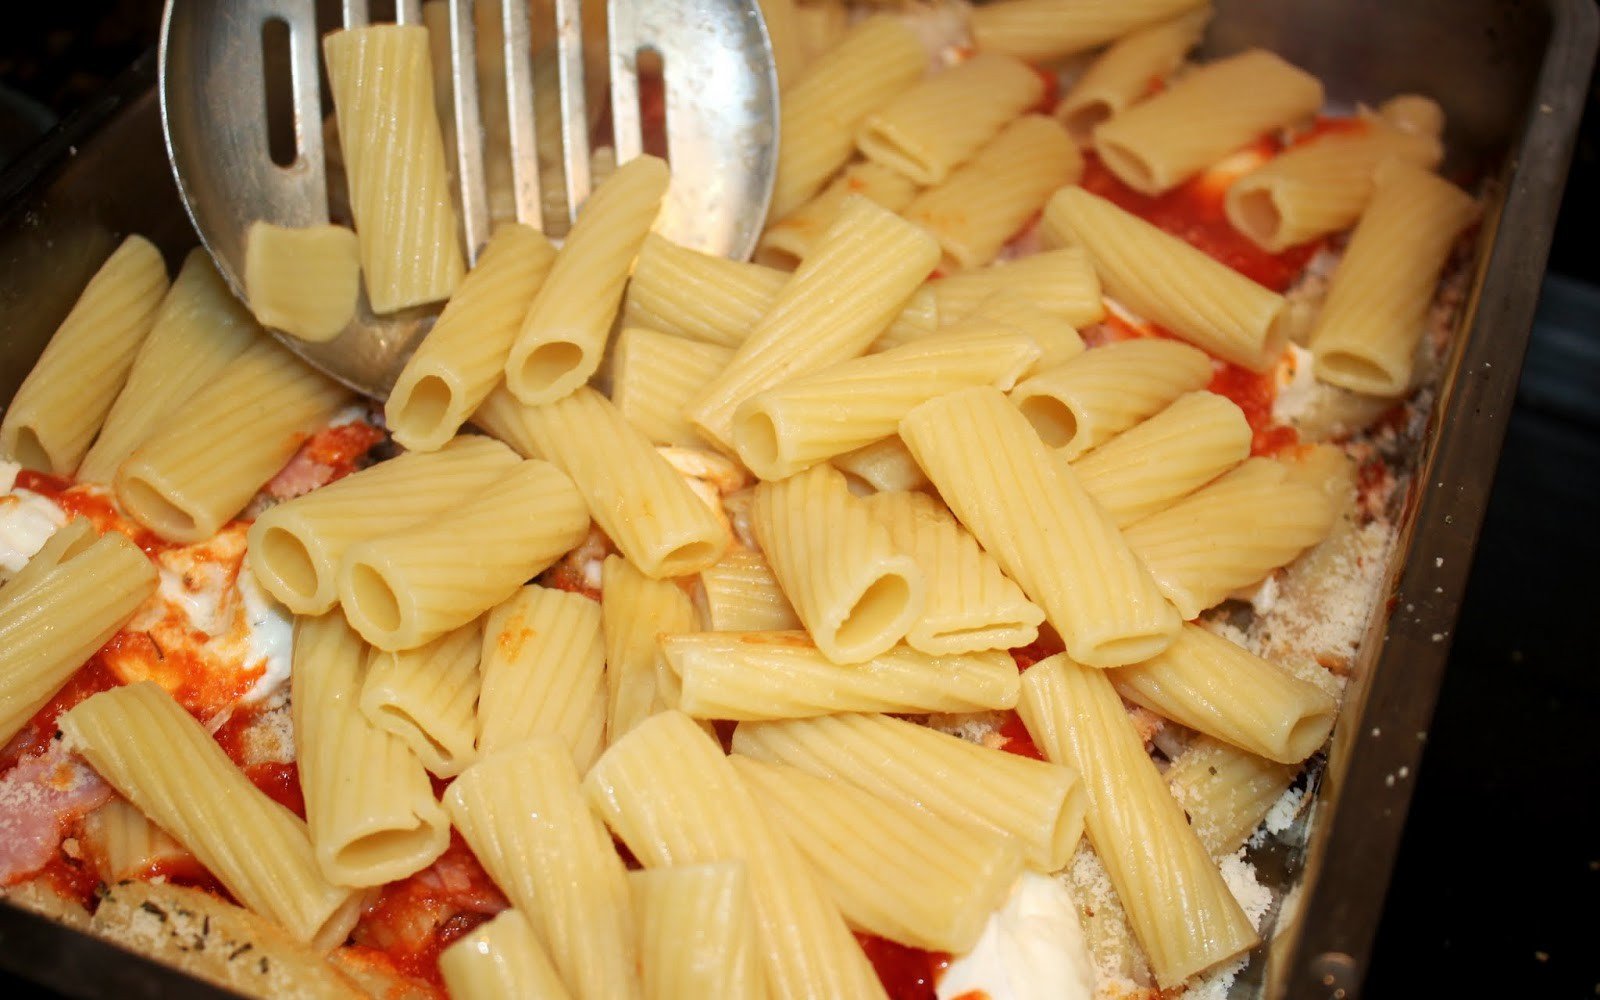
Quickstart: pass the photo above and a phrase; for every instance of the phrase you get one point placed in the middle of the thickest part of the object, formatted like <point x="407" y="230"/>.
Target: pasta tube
<point x="1124" y="72"/>
<point x="543" y="672"/>
<point x="1181" y="910"/>
<point x="895" y="869"/>
<point x="782" y="675"/>
<point x="460" y="361"/>
<point x="371" y="811"/>
<point x="971" y="604"/>
<point x="296" y="546"/>
<point x="198" y="331"/>
<point x="637" y="499"/>
<point x="382" y="83"/>
<point x="1158" y="144"/>
<point x="523" y="814"/>
<point x="65" y="398"/>
<point x="303" y="281"/>
<point x="1172" y="284"/>
<point x="690" y="294"/>
<point x="1103" y="392"/>
<point x="742" y="595"/>
<point x="124" y="844"/>
<point x="670" y="795"/>
<point x="843" y="296"/>
<point x="1225" y="791"/>
<point x="502" y="959"/>
<point x="564" y="335"/>
<point x="856" y="592"/>
<point x="51" y="625"/>
<point x="636" y="613"/>
<point x="185" y="486"/>
<point x="883" y="465"/>
<point x="1040" y="525"/>
<point x="789" y="241"/>
<point x="163" y="761"/>
<point x="655" y="375"/>
<point x="425" y="696"/>
<point x="66" y="542"/>
<point x="1366" y="336"/>
<point x="1061" y="282"/>
<point x="1043" y="30"/>
<point x="697" y="932"/>
<point x="409" y="587"/>
<point x="1039" y="804"/>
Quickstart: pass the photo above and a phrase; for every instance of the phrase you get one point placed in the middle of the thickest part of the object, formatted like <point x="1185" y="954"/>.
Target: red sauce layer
<point x="97" y="507"/>
<point x="1016" y="738"/>
<point x="37" y="733"/>
<point x="1254" y="392"/>
<point x="906" y="973"/>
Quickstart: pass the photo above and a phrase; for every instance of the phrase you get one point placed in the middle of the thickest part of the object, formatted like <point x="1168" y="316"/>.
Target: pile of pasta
<point x="921" y="466"/>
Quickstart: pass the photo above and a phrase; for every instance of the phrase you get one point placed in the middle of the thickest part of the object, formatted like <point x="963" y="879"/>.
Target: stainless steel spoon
<point x="721" y="106"/>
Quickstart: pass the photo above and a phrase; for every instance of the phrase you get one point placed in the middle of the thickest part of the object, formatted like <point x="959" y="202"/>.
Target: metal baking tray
<point x="1511" y="74"/>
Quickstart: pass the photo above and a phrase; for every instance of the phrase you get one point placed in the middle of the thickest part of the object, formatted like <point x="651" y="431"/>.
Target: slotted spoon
<point x="721" y="107"/>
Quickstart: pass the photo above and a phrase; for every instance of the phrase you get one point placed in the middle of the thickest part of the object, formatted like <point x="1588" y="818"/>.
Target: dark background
<point x="1494" y="893"/>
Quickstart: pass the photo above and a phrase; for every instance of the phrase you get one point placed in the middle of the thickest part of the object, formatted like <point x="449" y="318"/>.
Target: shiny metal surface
<point x="721" y="108"/>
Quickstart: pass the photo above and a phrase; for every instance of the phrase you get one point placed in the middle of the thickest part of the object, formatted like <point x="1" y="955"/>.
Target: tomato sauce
<point x="1254" y="392"/>
<point x="1193" y="212"/>
<point x="95" y="506"/>
<point x="342" y="448"/>
<point x="1016" y="738"/>
<point x="73" y="878"/>
<point x="189" y="873"/>
<point x="906" y="973"/>
<point x="38" y="732"/>
<point x="280" y="780"/>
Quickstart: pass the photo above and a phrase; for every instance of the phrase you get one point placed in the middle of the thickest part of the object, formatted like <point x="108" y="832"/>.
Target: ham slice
<point x="39" y="799"/>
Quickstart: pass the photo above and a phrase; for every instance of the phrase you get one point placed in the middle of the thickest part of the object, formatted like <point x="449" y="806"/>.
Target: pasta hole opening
<point x="1306" y="735"/>
<point x="405" y="725"/>
<point x="757" y="439"/>
<point x="689" y="557"/>
<point x="1129" y="166"/>
<point x="549" y="363"/>
<point x="423" y="408"/>
<point x="376" y="600"/>
<point x="778" y="254"/>
<point x="874" y="611"/>
<point x="1082" y="121"/>
<point x="1127" y="649"/>
<point x="1054" y="420"/>
<point x="383" y="847"/>
<point x="1256" y="213"/>
<point x="149" y="505"/>
<point x="30" y="451"/>
<point x="290" y="561"/>
<point x="1352" y="371"/>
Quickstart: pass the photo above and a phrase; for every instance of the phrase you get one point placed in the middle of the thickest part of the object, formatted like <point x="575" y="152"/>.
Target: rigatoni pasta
<point x="636" y="615"/>
<point x="1042" y="30"/>
<point x="1125" y="71"/>
<point x="1061" y="282"/>
<point x="788" y="241"/>
<point x="740" y="594"/>
<point x="1225" y="791"/>
<point x="425" y="697"/>
<point x="655" y="375"/>
<point x="61" y="404"/>
<point x="501" y="960"/>
<point x="697" y="932"/>
<point x="303" y="281"/>
<point x="686" y="293"/>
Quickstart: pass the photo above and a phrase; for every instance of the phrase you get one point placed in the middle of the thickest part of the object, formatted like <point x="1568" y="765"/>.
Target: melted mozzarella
<point x="1031" y="949"/>
<point x="270" y="637"/>
<point x="27" y="520"/>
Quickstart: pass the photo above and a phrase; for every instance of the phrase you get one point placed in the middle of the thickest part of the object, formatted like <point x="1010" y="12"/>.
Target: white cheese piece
<point x="1031" y="949"/>
<point x="27" y="520"/>
<point x="271" y="637"/>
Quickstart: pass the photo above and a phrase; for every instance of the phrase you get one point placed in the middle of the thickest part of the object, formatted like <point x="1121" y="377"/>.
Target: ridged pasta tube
<point x="198" y="331"/>
<point x="524" y="815"/>
<point x="185" y="486"/>
<point x="163" y="761"/>
<point x="876" y="60"/>
<point x="382" y="83"/>
<point x="564" y="334"/>
<point x="636" y="497"/>
<point x="896" y="870"/>
<point x="296" y="546"/>
<point x="690" y="294"/>
<point x="1062" y="282"/>
<point x="798" y="423"/>
<point x="655" y="375"/>
<point x="1321" y="186"/>
<point x="1366" y="335"/>
<point x="124" y="844"/>
<point x="1157" y="462"/>
<point x="636" y="613"/>
<point x="1158" y="144"/>
<point x="1043" y="30"/>
<point x="543" y="670"/>
<point x="1122" y="74"/>
<point x="883" y="465"/>
<point x="782" y="675"/>
<point x="788" y="241"/>
<point x="697" y="932"/>
<point x="667" y="791"/>
<point x="1215" y="687"/>
<point x="742" y="595"/>
<point x="461" y="359"/>
<point x="1028" y="510"/>
<point x="52" y="625"/>
<point x="502" y="959"/>
<point x="65" y="398"/>
<point x="370" y="809"/>
<point x="1170" y="283"/>
<point x="856" y="592"/>
<point x="1058" y="342"/>
<point x="971" y="604"/>
<point x="928" y="130"/>
<point x="1103" y="392"/>
<point x="1230" y="534"/>
<point x="1226" y="792"/>
<point x="844" y="295"/>
<point x="987" y="200"/>
<point x="1039" y="804"/>
<point x="406" y="588"/>
<point x="70" y="540"/>
<point x="425" y="696"/>
<point x="1181" y="910"/>
<point x="303" y="281"/>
